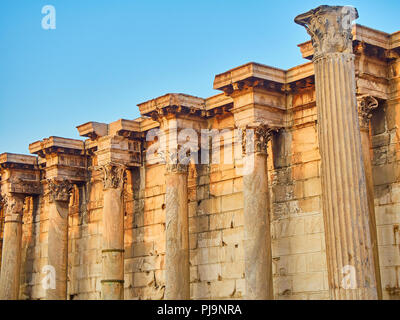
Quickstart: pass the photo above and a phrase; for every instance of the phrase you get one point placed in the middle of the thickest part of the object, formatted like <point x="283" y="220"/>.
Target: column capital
<point x="366" y="104"/>
<point x="59" y="190"/>
<point x="13" y="205"/>
<point x="330" y="28"/>
<point x="259" y="139"/>
<point x="175" y="162"/>
<point x="112" y="175"/>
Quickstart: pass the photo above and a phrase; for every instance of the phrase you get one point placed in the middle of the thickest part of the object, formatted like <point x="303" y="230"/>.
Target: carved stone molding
<point x="366" y="104"/>
<point x="330" y="28"/>
<point x="113" y="175"/>
<point x="23" y="186"/>
<point x="59" y="190"/>
<point x="258" y="141"/>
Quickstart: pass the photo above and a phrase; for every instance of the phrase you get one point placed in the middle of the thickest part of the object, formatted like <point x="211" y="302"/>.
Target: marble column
<point x="59" y="193"/>
<point x="177" y="277"/>
<point x="11" y="255"/>
<point x="112" y="285"/>
<point x="350" y="258"/>
<point x="366" y="104"/>
<point x="257" y="235"/>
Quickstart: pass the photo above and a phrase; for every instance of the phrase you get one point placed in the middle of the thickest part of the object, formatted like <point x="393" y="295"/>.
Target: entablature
<point x="118" y="149"/>
<point x="172" y="104"/>
<point x="19" y="174"/>
<point x="93" y="130"/>
<point x="61" y="158"/>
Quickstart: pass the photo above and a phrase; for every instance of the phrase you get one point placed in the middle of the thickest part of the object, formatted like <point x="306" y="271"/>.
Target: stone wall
<point x="216" y="221"/>
<point x="107" y="179"/>
<point x="386" y="174"/>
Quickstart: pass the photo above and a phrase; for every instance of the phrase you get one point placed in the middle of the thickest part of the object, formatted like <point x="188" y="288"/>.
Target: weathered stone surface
<point x="345" y="198"/>
<point x="11" y="253"/>
<point x="125" y="230"/>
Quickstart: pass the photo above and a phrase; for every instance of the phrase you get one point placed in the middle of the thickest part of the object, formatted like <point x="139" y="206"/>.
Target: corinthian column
<point x="11" y="256"/>
<point x="366" y="104"/>
<point x="351" y="270"/>
<point x="112" y="285"/>
<point x="177" y="279"/>
<point x="257" y="236"/>
<point x="58" y="192"/>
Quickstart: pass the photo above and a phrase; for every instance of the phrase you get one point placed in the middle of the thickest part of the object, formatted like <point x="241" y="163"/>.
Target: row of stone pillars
<point x="350" y="230"/>
<point x="257" y="240"/>
<point x="13" y="206"/>
<point x="57" y="254"/>
<point x="347" y="195"/>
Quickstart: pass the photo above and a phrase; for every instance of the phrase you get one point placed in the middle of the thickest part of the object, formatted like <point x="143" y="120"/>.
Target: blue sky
<point x="105" y="57"/>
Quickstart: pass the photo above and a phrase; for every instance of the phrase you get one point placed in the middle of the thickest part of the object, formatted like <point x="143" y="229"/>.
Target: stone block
<point x="143" y="279"/>
<point x="283" y="286"/>
<point x="233" y="236"/>
<point x="312" y="187"/>
<point x="389" y="256"/>
<point x="313" y="224"/>
<point x="306" y="170"/>
<point x="308" y="282"/>
<point x="221" y="188"/>
<point x="209" y="206"/>
<point x="316" y="262"/>
<point x="223" y="289"/>
<point x="209" y="239"/>
<point x="209" y="272"/>
<point x="297" y="264"/>
<point x="288" y="227"/>
<point x="221" y="221"/>
<point x="388" y="235"/>
<point x="232" y="270"/>
<point x="310" y="205"/>
<point x="240" y="288"/>
<point x="385" y="174"/>
<point x="200" y="290"/>
<point x="199" y="224"/>
<point x="232" y="202"/>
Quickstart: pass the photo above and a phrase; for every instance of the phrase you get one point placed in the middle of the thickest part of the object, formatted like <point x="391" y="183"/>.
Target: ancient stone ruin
<point x="285" y="185"/>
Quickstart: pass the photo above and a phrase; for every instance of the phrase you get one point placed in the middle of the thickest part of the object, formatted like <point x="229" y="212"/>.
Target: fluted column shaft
<point x="177" y="276"/>
<point x="112" y="285"/>
<point x="345" y="199"/>
<point x="59" y="192"/>
<point x="257" y="235"/>
<point x="11" y="255"/>
<point x="350" y="260"/>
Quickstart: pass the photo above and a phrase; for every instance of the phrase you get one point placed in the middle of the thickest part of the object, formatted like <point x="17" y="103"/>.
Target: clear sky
<point x="105" y="57"/>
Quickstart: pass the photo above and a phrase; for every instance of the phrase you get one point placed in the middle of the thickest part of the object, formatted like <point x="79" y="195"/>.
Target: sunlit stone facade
<point x="316" y="217"/>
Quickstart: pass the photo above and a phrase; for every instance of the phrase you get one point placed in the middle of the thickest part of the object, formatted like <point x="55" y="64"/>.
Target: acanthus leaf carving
<point x="12" y="204"/>
<point x="59" y="190"/>
<point x="330" y="28"/>
<point x="112" y="175"/>
<point x="176" y="161"/>
<point x="255" y="139"/>
<point x="366" y="104"/>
